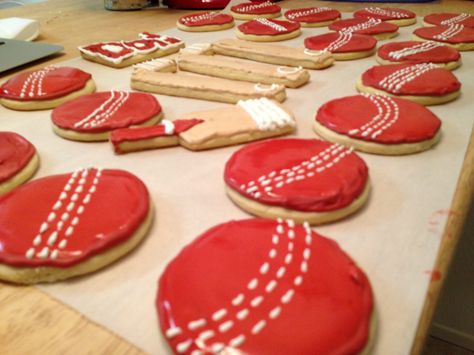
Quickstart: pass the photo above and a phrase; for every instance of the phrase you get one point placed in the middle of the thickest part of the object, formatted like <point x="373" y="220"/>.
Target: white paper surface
<point x="394" y="238"/>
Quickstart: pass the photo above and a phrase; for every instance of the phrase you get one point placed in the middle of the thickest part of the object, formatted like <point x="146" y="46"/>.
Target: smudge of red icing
<point x="15" y="153"/>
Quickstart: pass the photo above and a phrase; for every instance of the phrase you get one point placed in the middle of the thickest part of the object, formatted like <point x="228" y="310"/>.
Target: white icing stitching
<point x="450" y="32"/>
<point x="34" y="82"/>
<point x="196" y="18"/>
<point x="456" y="19"/>
<point x="417" y="48"/>
<point x="386" y="12"/>
<point x="268" y="23"/>
<point x="255" y="7"/>
<point x="395" y="81"/>
<point x="314" y="10"/>
<point x="371" y="22"/>
<point x="342" y="39"/>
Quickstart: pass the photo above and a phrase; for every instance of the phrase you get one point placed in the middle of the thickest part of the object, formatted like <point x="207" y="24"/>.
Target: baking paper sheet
<point x="394" y="238"/>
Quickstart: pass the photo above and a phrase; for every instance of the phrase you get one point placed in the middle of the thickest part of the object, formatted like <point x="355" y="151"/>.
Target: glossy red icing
<point x="263" y="287"/>
<point x="268" y="27"/>
<point x="156" y="36"/>
<point x="114" y="50"/>
<point x="44" y="84"/>
<point x="385" y="14"/>
<point x="15" y="153"/>
<point x="303" y="174"/>
<point x="418" y="52"/>
<point x="445" y="18"/>
<point x="363" y="26"/>
<point x="449" y="34"/>
<point x="145" y="45"/>
<point x="379" y="119"/>
<point x="206" y="19"/>
<point x="312" y="14"/>
<point x="104" y="111"/>
<point x="339" y="42"/>
<point x="434" y="82"/>
<point x="61" y="220"/>
<point x="253" y="8"/>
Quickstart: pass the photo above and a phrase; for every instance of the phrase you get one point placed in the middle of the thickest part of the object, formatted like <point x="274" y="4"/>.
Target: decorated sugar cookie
<point x="378" y="124"/>
<point x="424" y="83"/>
<point x="414" y="52"/>
<point x="252" y="10"/>
<point x="366" y="26"/>
<point x="45" y="88"/>
<point x="76" y="223"/>
<point x="399" y="17"/>
<point x="204" y="22"/>
<point x="18" y="161"/>
<point x="268" y="30"/>
<point x="304" y="179"/>
<point x="454" y="35"/>
<point x="265" y="287"/>
<point x="342" y="45"/>
<point x="446" y="19"/>
<point x="313" y="16"/>
<point x="92" y="117"/>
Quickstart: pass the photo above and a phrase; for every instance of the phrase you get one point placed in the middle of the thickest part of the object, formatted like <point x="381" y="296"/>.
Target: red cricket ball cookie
<point x="452" y="34"/>
<point x="264" y="287"/>
<point x="44" y="84"/>
<point x="104" y="111"/>
<point x="298" y="174"/>
<point x="364" y="26"/>
<point x="268" y="27"/>
<point x="313" y="14"/>
<point x="205" y="19"/>
<point x="15" y="154"/>
<point x="252" y="8"/>
<point x="385" y="14"/>
<point x="340" y="42"/>
<point x="446" y="19"/>
<point x="62" y="220"/>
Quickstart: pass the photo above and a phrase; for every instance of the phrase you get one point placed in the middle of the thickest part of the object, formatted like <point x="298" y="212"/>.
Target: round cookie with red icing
<point x="313" y="16"/>
<point x="399" y="17"/>
<point x="45" y="88"/>
<point x="252" y="10"/>
<point x="268" y="30"/>
<point x="342" y="45"/>
<point x="446" y="19"/>
<point x="205" y="22"/>
<point x="93" y="117"/>
<point x="415" y="52"/>
<point x="18" y="161"/>
<point x="378" y="124"/>
<point x="457" y="36"/>
<point x="373" y="27"/>
<point x="424" y="83"/>
<point x="302" y="179"/>
<point x="76" y="223"/>
<point x="265" y="287"/>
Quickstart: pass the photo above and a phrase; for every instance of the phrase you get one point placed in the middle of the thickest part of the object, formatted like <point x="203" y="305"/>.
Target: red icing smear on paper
<point x="253" y="8"/>
<point x="385" y="14"/>
<point x="430" y="33"/>
<point x="435" y="82"/>
<point x="437" y="18"/>
<point x="256" y="27"/>
<point x="104" y="111"/>
<point x="99" y="48"/>
<point x="312" y="14"/>
<point x="382" y="27"/>
<point x="415" y="123"/>
<point x="15" y="153"/>
<point x="55" y="82"/>
<point x="116" y="208"/>
<point x="334" y="188"/>
<point x="167" y="39"/>
<point x="205" y="19"/>
<point x="229" y="270"/>
<point x="435" y="275"/>
<point x="357" y="43"/>
<point x="438" y="54"/>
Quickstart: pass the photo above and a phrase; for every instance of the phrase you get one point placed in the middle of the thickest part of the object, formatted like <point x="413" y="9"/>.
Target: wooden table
<point x="33" y="322"/>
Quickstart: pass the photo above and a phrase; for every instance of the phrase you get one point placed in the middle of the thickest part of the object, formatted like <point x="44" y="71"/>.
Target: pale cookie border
<point x="315" y="218"/>
<point x="31" y="275"/>
<point x="33" y="105"/>
<point x="267" y="38"/>
<point x="239" y="16"/>
<point x="403" y="22"/>
<point x="373" y="147"/>
<point x="447" y="65"/>
<point x="22" y="176"/>
<point x="354" y="55"/>
<point x="205" y="28"/>
<point x="463" y="46"/>
<point x="316" y="24"/>
<point x="129" y="146"/>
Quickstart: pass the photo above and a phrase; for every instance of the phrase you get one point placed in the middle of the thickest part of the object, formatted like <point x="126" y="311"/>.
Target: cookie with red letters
<point x="267" y="30"/>
<point x="205" y="22"/>
<point x="313" y="16"/>
<point x="303" y="179"/>
<point x="454" y="35"/>
<point x="18" y="161"/>
<point x="45" y="88"/>
<point x="373" y="27"/>
<point x="378" y="124"/>
<point x="399" y="17"/>
<point x="415" y="52"/>
<point x="260" y="287"/>
<point x="446" y="19"/>
<point x="342" y="45"/>
<point x="252" y="10"/>
<point x="77" y="223"/>
<point x="424" y="83"/>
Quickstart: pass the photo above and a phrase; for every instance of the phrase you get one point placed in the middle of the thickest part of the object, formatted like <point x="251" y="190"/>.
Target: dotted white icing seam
<point x="371" y="22"/>
<point x="266" y="114"/>
<point x="289" y="70"/>
<point x="315" y="10"/>
<point x="342" y="39"/>
<point x="265" y="88"/>
<point x="309" y="168"/>
<point x="197" y="18"/>
<point x="417" y="48"/>
<point x="387" y="114"/>
<point x="154" y="64"/>
<point x="386" y="12"/>
<point x="34" y="82"/>
<point x="275" y="26"/>
<point x="254" y="7"/>
<point x="395" y="81"/>
<point x="196" y="48"/>
<point x="456" y="19"/>
<point x="450" y="32"/>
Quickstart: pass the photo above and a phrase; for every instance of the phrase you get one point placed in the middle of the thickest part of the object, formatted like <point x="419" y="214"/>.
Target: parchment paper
<point x="395" y="238"/>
